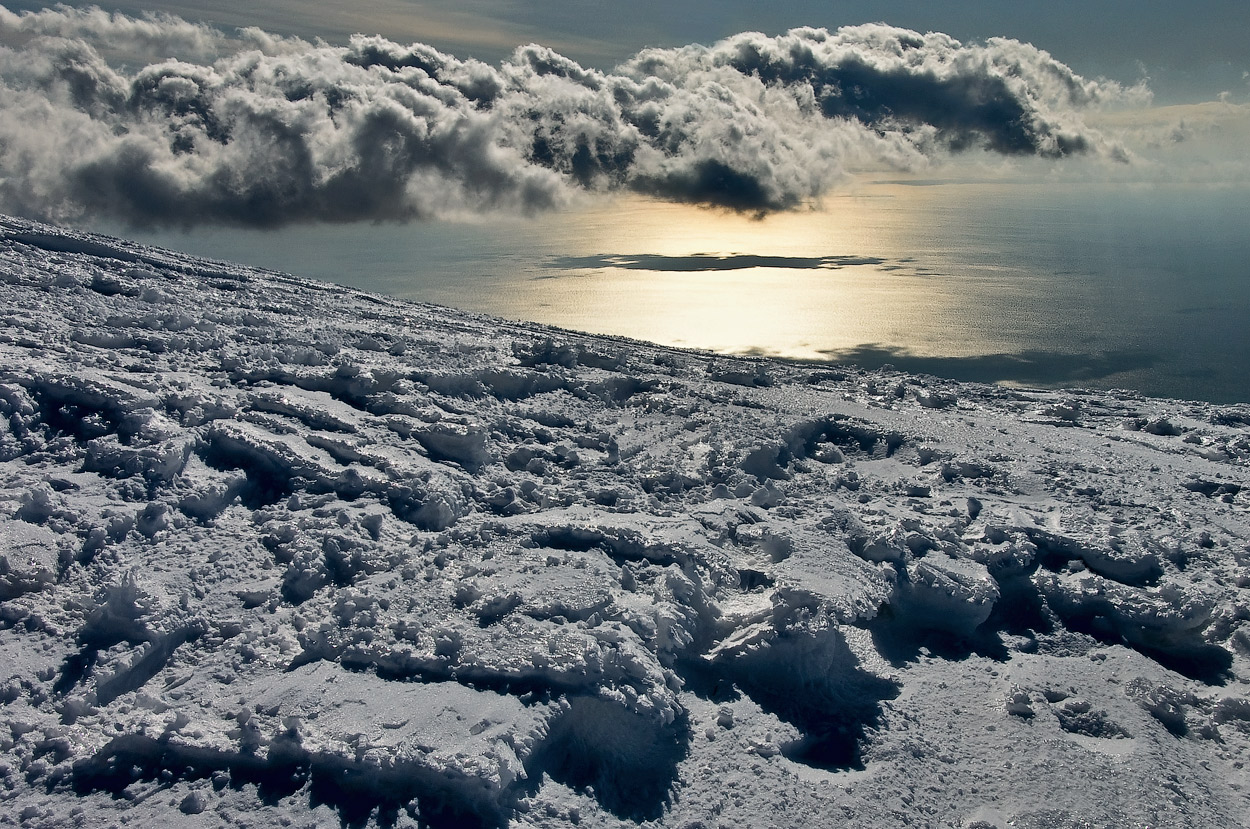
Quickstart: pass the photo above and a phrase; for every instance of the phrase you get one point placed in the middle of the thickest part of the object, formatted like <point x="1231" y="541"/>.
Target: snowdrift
<point x="277" y="552"/>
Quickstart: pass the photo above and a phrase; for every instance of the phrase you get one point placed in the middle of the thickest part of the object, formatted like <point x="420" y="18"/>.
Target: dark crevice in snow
<point x="159" y="651"/>
<point x="120" y="619"/>
<point x="79" y="421"/>
<point x="463" y="446"/>
<point x="753" y="580"/>
<point x="359" y="791"/>
<point x="1133" y="568"/>
<point x="518" y="384"/>
<point x="1207" y="663"/>
<point x="706" y="680"/>
<point x="813" y="681"/>
<point x="530" y="684"/>
<point x="830" y="439"/>
<point x="268" y="479"/>
<point x="1212" y="489"/>
<point x="848" y="435"/>
<point x="901" y="640"/>
<point x="1184" y="652"/>
<point x="568" y="355"/>
<point x="628" y="762"/>
<point x="1036" y="606"/>
<point x="79" y="409"/>
<point x="1020" y="609"/>
<point x="620" y="545"/>
<point x="76" y="667"/>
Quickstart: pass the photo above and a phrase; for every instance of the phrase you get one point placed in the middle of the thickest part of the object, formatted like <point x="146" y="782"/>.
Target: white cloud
<point x="261" y="130"/>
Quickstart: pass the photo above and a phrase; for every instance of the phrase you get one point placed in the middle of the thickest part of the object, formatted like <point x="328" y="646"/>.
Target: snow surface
<point x="280" y="553"/>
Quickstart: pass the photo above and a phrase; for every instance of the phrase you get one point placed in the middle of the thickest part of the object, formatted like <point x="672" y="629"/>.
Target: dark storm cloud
<point x="261" y="130"/>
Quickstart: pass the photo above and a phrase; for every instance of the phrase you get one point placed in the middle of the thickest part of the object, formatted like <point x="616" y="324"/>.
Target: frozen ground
<point x="278" y="553"/>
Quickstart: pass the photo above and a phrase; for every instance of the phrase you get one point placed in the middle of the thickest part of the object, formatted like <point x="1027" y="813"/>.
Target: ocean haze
<point x="1143" y="287"/>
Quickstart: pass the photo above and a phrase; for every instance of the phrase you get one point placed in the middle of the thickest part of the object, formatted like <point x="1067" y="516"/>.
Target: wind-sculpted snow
<point x="257" y="129"/>
<point x="282" y="553"/>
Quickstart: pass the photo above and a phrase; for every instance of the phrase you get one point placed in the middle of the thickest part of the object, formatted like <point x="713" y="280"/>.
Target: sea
<point x="1144" y="287"/>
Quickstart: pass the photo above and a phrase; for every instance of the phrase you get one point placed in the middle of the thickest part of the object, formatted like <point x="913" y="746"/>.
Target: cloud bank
<point x="260" y="130"/>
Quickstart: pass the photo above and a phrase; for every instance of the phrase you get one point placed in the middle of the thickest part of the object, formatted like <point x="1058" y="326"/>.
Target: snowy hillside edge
<point x="279" y="552"/>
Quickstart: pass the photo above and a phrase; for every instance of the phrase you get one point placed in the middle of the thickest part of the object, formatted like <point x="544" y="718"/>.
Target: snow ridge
<point x="276" y="551"/>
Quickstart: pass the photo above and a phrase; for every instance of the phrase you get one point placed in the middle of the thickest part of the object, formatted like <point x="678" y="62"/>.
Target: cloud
<point x="259" y="130"/>
<point x="154" y="36"/>
<point x="1201" y="143"/>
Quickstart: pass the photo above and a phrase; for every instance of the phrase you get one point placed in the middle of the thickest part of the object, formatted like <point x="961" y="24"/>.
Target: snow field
<point x="282" y="553"/>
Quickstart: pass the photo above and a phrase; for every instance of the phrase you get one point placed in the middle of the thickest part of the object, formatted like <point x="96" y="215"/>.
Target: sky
<point x="1189" y="51"/>
<point x="397" y="111"/>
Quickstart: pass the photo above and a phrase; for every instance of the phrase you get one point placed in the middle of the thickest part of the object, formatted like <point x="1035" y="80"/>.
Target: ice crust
<point x="276" y="552"/>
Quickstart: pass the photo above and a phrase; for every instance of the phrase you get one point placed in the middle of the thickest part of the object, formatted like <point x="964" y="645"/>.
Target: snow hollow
<point x="281" y="553"/>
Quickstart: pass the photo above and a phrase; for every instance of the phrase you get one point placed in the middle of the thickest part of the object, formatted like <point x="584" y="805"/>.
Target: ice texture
<point x="276" y="552"/>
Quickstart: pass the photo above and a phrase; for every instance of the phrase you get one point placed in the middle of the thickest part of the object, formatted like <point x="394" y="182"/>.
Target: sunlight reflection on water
<point x="1098" y="285"/>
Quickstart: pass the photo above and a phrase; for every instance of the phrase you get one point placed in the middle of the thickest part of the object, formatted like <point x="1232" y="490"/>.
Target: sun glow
<point x="807" y="283"/>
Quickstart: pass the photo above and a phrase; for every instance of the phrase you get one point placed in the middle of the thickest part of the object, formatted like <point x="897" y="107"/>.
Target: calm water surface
<point x="1140" y="287"/>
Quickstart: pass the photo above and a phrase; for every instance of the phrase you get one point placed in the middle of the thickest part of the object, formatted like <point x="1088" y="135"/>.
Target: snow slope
<point x="279" y="553"/>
